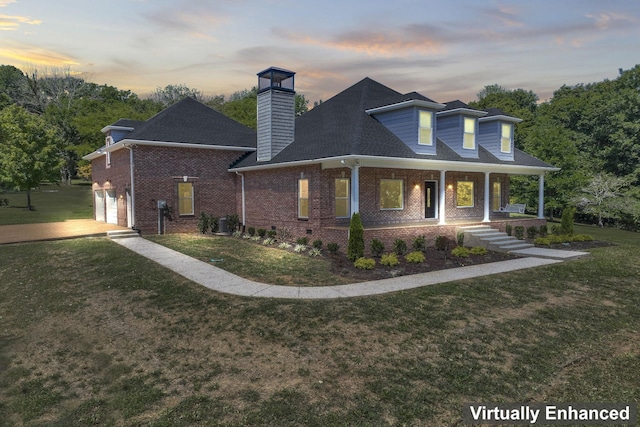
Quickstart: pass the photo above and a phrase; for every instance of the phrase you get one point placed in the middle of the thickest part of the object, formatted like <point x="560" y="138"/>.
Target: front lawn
<point x="93" y="334"/>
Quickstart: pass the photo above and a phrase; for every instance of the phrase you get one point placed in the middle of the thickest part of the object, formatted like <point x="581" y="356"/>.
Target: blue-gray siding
<point x="276" y="118"/>
<point x="450" y="129"/>
<point x="489" y="136"/>
<point x="405" y="124"/>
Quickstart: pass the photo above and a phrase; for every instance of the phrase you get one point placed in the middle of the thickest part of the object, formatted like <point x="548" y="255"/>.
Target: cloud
<point x="505" y="14"/>
<point x="4" y="3"/>
<point x="11" y="23"/>
<point x="605" y="20"/>
<point x="28" y="54"/>
<point x="192" y="17"/>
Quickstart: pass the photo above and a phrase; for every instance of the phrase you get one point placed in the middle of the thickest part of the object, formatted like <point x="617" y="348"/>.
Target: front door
<point x="430" y="199"/>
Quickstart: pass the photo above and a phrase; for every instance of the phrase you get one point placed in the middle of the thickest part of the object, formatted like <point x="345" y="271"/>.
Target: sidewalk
<point x="222" y="281"/>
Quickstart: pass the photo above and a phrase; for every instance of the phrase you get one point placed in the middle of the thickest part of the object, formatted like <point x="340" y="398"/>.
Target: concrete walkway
<point x="220" y="280"/>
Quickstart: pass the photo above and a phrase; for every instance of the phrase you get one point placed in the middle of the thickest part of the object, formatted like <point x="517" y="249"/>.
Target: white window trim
<point x="193" y="209"/>
<point x="430" y="128"/>
<point x="493" y="195"/>
<point x="473" y="191"/>
<point x="465" y="133"/>
<point x="300" y="216"/>
<point x="347" y="198"/>
<point x="502" y="137"/>
<point x="401" y="193"/>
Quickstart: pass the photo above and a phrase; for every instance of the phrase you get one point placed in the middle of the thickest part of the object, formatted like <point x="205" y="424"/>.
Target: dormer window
<point x="425" y="132"/>
<point x="505" y="138"/>
<point x="469" y="141"/>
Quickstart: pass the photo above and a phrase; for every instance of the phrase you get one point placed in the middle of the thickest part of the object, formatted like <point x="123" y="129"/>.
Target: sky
<point x="445" y="49"/>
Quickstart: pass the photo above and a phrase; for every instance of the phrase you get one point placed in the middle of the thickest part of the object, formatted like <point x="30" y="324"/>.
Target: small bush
<point x="519" y="232"/>
<point x="333" y="247"/>
<point x="272" y="234"/>
<point x="315" y="251"/>
<point x="268" y="241"/>
<point x="399" y="247"/>
<point x="203" y="223"/>
<point x="460" y="252"/>
<point x="442" y="243"/>
<point x="508" y="229"/>
<point x="478" y="250"/>
<point x="255" y="238"/>
<point x="317" y="244"/>
<point x="460" y="238"/>
<point x="302" y="241"/>
<point x="415" y="257"/>
<point x="284" y="245"/>
<point x="262" y="232"/>
<point x="531" y="232"/>
<point x="365" y="263"/>
<point x="377" y="248"/>
<point x="566" y="224"/>
<point x="214" y="224"/>
<point x="543" y="231"/>
<point x="246" y="236"/>
<point x="232" y="222"/>
<point x="299" y="248"/>
<point x="251" y="231"/>
<point x="389" y="260"/>
<point x="420" y="244"/>
<point x="542" y="241"/>
<point x="555" y="229"/>
<point x="582" y="238"/>
<point x="236" y="234"/>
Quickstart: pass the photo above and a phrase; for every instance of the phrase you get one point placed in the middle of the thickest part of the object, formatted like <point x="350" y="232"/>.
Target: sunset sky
<point x="443" y="49"/>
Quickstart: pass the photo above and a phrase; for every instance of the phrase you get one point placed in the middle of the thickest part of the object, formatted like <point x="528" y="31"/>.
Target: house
<point x="409" y="165"/>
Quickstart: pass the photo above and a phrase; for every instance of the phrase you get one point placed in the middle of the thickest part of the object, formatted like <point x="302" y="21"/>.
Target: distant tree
<point x="12" y="85"/>
<point x="171" y="94"/>
<point x="603" y="197"/>
<point x="29" y="150"/>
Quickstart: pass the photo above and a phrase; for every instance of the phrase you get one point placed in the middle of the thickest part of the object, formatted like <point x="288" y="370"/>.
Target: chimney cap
<point x="276" y="78"/>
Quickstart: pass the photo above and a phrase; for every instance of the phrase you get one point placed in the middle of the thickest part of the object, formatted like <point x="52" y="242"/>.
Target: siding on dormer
<point x="489" y="133"/>
<point x="404" y="124"/>
<point x="450" y="130"/>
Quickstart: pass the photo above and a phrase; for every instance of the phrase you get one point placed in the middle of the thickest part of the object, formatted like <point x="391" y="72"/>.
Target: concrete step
<point x="514" y="247"/>
<point x="122" y="234"/>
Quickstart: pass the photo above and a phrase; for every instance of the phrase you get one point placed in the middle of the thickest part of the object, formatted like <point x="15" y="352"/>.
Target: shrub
<point x="268" y="241"/>
<point x="582" y="238"/>
<point x="262" y="232"/>
<point x="214" y="224"/>
<point x="284" y="245"/>
<point x="542" y="241"/>
<point x="543" y="231"/>
<point x="251" y="231"/>
<point x="302" y="241"/>
<point x="420" y="244"/>
<point x="460" y="238"/>
<point x="203" y="223"/>
<point x="299" y="248"/>
<point x="531" y="232"/>
<point x="355" y="248"/>
<point x="317" y="244"/>
<point x="566" y="224"/>
<point x="460" y="252"/>
<point x="442" y="243"/>
<point x="478" y="250"/>
<point x="333" y="247"/>
<point x="519" y="232"/>
<point x="415" y="257"/>
<point x="365" y="263"/>
<point x="315" y="251"/>
<point x="255" y="238"/>
<point x="237" y="234"/>
<point x="232" y="222"/>
<point x="377" y="247"/>
<point x="399" y="247"/>
<point x="508" y="229"/>
<point x="247" y="236"/>
<point x="555" y="229"/>
<point x="272" y="234"/>
<point x="389" y="260"/>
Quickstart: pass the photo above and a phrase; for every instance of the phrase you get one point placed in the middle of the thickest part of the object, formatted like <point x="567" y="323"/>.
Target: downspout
<point x="244" y="216"/>
<point x="133" y="192"/>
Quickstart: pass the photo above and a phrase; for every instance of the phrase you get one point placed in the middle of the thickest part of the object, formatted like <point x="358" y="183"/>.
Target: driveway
<point x="54" y="230"/>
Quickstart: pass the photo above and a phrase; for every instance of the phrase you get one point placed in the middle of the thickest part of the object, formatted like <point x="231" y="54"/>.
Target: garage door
<point x="99" y="204"/>
<point x="112" y="207"/>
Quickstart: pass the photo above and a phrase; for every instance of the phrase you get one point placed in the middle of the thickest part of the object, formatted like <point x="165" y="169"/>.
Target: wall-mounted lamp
<point x="185" y="178"/>
<point x="450" y="186"/>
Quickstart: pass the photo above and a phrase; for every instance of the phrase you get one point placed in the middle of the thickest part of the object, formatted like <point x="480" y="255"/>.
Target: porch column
<point x="486" y="198"/>
<point x="541" y="197"/>
<point x="355" y="189"/>
<point x="442" y="199"/>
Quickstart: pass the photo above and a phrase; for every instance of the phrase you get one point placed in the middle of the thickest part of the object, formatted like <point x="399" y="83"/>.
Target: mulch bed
<point x="435" y="260"/>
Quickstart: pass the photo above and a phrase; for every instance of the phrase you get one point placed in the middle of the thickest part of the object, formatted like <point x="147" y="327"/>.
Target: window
<point x="185" y="198"/>
<point x="425" y="136"/>
<point x="496" y="196"/>
<point x="464" y="194"/>
<point x="303" y="198"/>
<point x="505" y="140"/>
<point x="391" y="192"/>
<point x="469" y="141"/>
<point x="342" y="198"/>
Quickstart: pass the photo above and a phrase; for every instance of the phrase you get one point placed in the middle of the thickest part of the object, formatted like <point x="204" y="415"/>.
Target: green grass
<point x="51" y="203"/>
<point x="93" y="334"/>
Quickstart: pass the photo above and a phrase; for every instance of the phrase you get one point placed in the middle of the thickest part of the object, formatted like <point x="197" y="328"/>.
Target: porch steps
<point x="122" y="234"/>
<point x="492" y="239"/>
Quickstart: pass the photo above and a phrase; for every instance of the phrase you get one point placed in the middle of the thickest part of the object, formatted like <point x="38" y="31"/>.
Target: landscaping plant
<point x="355" y="248"/>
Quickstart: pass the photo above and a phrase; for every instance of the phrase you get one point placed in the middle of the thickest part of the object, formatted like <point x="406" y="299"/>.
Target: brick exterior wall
<point x="157" y="172"/>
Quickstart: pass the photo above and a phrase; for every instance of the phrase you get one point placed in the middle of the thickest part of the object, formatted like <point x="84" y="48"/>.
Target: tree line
<point x="590" y="131"/>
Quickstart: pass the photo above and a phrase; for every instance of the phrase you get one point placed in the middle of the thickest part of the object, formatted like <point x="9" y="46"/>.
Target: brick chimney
<point x="276" y="111"/>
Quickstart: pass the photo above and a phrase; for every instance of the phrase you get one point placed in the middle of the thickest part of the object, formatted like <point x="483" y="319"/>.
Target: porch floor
<point x="435" y="223"/>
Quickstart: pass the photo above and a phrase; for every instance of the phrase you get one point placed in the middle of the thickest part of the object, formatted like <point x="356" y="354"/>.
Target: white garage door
<point x="99" y="204"/>
<point x="112" y="207"/>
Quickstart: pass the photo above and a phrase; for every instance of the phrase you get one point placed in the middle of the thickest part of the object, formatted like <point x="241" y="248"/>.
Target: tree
<point x="174" y="93"/>
<point x="355" y="247"/>
<point x="603" y="197"/>
<point x="29" y="150"/>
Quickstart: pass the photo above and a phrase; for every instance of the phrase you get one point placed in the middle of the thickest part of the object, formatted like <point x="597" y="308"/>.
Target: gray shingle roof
<point x="341" y="127"/>
<point x="190" y="121"/>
